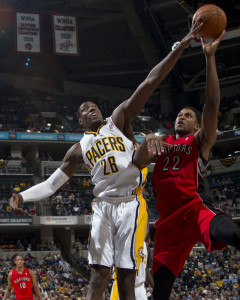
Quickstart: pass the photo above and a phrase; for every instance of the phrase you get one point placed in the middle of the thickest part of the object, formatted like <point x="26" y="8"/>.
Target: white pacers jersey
<point x="141" y="273"/>
<point x="108" y="153"/>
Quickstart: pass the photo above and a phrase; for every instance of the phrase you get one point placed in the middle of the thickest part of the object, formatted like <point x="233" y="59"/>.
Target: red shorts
<point x="177" y="234"/>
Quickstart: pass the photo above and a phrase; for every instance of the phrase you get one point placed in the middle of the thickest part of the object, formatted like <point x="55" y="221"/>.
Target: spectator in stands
<point x="29" y="247"/>
<point x="19" y="245"/>
<point x="234" y="198"/>
<point x="24" y="166"/>
<point x="213" y="183"/>
<point x="85" y="183"/>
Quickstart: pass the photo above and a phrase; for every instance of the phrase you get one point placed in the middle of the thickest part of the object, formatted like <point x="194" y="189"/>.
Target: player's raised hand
<point x="156" y="144"/>
<point x="210" y="48"/>
<point x="196" y="26"/>
<point x="14" y="201"/>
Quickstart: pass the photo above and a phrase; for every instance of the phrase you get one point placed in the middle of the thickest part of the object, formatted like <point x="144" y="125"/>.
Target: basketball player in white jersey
<point x="119" y="216"/>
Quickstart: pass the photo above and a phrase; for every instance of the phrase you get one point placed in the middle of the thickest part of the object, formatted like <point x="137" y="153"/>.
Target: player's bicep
<point x="118" y="116"/>
<point x="72" y="160"/>
<point x="207" y="135"/>
<point x="33" y="277"/>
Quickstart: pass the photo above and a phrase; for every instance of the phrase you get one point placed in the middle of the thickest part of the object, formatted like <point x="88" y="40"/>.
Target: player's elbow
<point x="138" y="163"/>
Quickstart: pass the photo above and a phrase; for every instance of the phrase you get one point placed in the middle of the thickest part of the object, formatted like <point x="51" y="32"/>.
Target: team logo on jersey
<point x="141" y="254"/>
<point x="111" y="126"/>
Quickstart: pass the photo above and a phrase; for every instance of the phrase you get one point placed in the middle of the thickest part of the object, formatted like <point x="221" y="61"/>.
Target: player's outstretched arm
<point x="35" y="285"/>
<point x="71" y="162"/>
<point x="130" y="108"/>
<point x="151" y="147"/>
<point x="9" y="287"/>
<point x="207" y="134"/>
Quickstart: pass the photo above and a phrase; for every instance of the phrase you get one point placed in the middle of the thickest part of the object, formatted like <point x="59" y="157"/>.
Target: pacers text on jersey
<point x="103" y="146"/>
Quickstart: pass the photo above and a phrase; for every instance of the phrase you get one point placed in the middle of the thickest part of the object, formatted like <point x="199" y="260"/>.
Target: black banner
<point x="228" y="134"/>
<point x="16" y="220"/>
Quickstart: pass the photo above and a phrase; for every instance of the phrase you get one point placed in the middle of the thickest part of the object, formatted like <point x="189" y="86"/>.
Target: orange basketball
<point x="214" y="19"/>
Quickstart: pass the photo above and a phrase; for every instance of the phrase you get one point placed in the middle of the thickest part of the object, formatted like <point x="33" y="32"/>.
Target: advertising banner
<point x="65" y="220"/>
<point x="16" y="220"/>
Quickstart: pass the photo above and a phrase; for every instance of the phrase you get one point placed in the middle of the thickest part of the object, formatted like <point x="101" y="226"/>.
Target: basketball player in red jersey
<point x="21" y="281"/>
<point x="187" y="215"/>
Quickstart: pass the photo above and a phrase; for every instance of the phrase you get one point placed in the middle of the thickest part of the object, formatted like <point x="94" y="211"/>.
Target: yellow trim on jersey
<point x="114" y="293"/>
<point x="96" y="132"/>
<point x="138" y="190"/>
<point x="144" y="172"/>
<point x="141" y="229"/>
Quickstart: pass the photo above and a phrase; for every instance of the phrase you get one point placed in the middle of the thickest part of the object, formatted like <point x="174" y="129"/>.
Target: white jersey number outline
<point x="176" y="160"/>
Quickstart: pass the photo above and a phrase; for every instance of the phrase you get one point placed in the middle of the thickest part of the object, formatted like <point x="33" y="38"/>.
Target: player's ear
<point x="196" y="127"/>
<point x="80" y="121"/>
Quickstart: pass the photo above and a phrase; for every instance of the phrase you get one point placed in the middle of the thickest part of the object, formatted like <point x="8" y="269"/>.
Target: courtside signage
<point x="16" y="220"/>
<point x="51" y="220"/>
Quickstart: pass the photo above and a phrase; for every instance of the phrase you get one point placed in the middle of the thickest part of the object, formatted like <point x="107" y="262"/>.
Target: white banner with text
<point x="28" y="33"/>
<point x="65" y="29"/>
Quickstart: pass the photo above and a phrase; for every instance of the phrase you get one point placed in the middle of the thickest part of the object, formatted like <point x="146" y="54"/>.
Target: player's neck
<point x="181" y="135"/>
<point x="95" y="127"/>
<point x="20" y="269"/>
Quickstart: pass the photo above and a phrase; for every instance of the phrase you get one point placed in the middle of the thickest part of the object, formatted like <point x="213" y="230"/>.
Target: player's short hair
<point x="197" y="113"/>
<point x="15" y="256"/>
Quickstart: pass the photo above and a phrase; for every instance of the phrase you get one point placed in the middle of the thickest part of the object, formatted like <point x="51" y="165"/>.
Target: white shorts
<point x="140" y="292"/>
<point x="118" y="231"/>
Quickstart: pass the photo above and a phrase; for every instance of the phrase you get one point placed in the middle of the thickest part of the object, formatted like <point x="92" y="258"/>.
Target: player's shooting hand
<point x="210" y="48"/>
<point x="156" y="144"/>
<point x="14" y="201"/>
<point x="196" y="26"/>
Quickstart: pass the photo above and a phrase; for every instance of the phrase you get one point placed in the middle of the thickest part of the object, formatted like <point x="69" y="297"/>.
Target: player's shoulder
<point x="31" y="272"/>
<point x="74" y="151"/>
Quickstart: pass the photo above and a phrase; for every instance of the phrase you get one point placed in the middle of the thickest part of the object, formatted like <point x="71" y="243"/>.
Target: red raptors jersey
<point x="175" y="175"/>
<point x="22" y="284"/>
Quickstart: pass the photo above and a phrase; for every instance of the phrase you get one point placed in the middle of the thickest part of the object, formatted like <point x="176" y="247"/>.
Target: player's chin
<point x="179" y="130"/>
<point x="97" y="121"/>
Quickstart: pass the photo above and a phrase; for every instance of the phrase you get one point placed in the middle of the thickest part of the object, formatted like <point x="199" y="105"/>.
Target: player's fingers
<point x="197" y="26"/>
<point x="154" y="147"/>
<point x="158" y="146"/>
<point x="167" y="145"/>
<point x="161" y="147"/>
<point x="202" y="40"/>
<point x="221" y="35"/>
<point x="149" y="145"/>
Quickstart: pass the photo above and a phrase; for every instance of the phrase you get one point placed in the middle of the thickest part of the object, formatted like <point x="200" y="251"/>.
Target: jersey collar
<point x="95" y="133"/>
